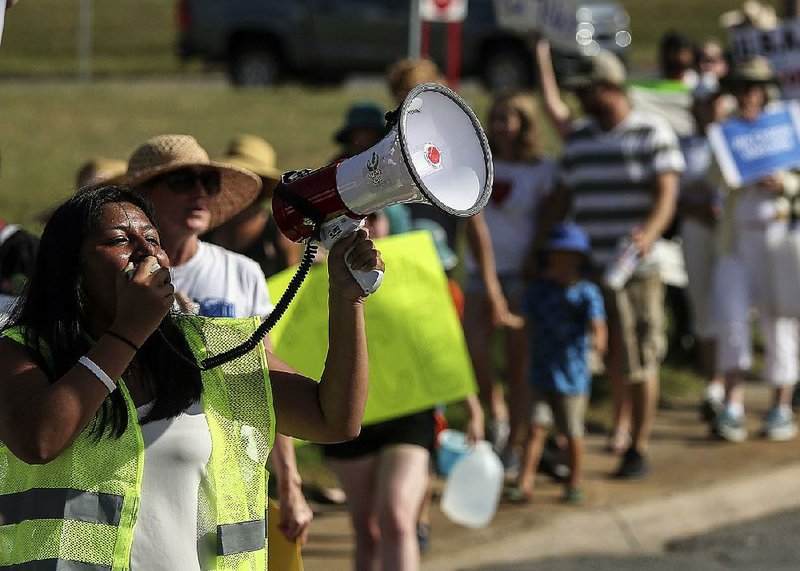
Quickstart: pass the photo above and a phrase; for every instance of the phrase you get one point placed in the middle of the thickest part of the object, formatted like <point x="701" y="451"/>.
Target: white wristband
<point x="98" y="372"/>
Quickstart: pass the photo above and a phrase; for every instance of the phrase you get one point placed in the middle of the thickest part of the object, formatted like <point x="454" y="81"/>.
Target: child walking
<point x="565" y="313"/>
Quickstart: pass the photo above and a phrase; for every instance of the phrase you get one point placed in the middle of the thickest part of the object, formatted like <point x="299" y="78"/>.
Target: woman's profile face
<point x="122" y="234"/>
<point x="750" y="96"/>
<point x="505" y="121"/>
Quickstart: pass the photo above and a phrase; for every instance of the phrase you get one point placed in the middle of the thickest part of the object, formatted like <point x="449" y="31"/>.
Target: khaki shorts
<point x="569" y="411"/>
<point x="636" y="318"/>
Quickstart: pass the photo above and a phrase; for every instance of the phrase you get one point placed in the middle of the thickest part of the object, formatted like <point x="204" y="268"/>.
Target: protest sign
<point x="417" y="353"/>
<point x="749" y="150"/>
<point x="554" y="19"/>
<point x="781" y="46"/>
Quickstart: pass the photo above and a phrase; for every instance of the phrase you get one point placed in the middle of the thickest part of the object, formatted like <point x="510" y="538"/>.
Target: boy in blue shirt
<point x="565" y="313"/>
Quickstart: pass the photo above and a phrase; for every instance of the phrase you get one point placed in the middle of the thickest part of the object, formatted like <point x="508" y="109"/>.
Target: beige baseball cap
<point x="605" y="67"/>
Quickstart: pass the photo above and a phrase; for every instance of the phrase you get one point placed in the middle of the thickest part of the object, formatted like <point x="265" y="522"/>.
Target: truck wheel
<point x="507" y="68"/>
<point x="254" y="65"/>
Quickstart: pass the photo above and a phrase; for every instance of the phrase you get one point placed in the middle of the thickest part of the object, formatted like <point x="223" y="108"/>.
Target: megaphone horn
<point x="436" y="152"/>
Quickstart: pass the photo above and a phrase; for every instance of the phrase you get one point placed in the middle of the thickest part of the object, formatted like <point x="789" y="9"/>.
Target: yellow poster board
<point x="417" y="354"/>
<point x="283" y="555"/>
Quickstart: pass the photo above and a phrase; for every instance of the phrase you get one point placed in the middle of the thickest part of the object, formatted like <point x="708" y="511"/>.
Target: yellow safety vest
<point x="78" y="512"/>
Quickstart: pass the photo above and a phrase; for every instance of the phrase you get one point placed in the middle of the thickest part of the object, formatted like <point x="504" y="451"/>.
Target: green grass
<point x="129" y="36"/>
<point x="48" y="130"/>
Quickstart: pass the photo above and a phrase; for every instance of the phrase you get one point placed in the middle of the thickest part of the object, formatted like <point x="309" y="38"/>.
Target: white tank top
<point x="176" y="452"/>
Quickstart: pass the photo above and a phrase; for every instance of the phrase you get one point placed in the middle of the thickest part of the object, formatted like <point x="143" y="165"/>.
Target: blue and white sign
<point x="749" y="150"/>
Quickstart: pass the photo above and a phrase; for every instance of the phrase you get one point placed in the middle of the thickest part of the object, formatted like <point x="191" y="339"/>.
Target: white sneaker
<point x="730" y="427"/>
<point x="779" y="426"/>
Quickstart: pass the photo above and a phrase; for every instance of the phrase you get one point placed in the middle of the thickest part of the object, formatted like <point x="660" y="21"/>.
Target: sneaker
<point x="710" y="409"/>
<point x="498" y="434"/>
<point x="515" y="495"/>
<point x="423" y="536"/>
<point x="573" y="496"/>
<point x="779" y="426"/>
<point x="729" y="427"/>
<point x="633" y="466"/>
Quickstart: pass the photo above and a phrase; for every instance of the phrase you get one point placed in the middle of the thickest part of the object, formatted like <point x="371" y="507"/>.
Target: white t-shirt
<point x="223" y="283"/>
<point x="176" y="452"/>
<point x="517" y="194"/>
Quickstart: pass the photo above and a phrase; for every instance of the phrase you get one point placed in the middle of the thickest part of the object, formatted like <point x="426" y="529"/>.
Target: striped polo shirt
<point x="611" y="175"/>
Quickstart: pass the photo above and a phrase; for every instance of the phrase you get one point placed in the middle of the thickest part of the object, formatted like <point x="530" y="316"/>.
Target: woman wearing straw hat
<point x="191" y="195"/>
<point x="754" y="218"/>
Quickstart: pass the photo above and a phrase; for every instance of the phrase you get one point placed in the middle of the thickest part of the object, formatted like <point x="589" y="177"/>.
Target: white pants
<point x="741" y="281"/>
<point x="699" y="258"/>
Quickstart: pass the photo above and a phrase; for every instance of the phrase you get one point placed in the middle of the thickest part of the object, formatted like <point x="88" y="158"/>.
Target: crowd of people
<point x="101" y="398"/>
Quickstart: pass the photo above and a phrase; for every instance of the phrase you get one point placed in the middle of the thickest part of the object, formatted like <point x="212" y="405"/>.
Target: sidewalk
<point x="696" y="484"/>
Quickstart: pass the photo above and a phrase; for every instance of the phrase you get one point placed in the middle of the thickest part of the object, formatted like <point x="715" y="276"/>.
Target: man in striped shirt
<point x="619" y="181"/>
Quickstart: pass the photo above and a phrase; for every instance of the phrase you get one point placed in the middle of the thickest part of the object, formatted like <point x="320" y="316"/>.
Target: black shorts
<point x="417" y="428"/>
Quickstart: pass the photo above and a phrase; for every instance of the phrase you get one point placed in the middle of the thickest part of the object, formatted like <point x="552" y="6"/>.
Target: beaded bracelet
<point x="98" y="372"/>
<point x="125" y="340"/>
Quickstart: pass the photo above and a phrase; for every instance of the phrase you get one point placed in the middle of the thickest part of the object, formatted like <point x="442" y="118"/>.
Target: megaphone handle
<point x="335" y="229"/>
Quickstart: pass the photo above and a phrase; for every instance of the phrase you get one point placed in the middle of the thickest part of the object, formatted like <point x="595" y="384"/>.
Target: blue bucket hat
<point x="361" y="115"/>
<point x="568" y="237"/>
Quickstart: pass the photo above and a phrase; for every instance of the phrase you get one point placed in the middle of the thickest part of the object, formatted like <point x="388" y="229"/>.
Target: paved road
<point x="769" y="544"/>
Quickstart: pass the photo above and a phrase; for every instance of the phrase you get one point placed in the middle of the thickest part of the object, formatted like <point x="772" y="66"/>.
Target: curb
<point x="640" y="527"/>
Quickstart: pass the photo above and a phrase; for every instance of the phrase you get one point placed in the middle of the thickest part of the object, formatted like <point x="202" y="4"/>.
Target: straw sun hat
<point x="256" y="155"/>
<point x="166" y="153"/>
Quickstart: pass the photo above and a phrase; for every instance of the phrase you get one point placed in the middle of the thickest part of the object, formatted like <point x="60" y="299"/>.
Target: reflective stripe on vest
<point x="60" y="503"/>
<point x="57" y="565"/>
<point x="235" y="538"/>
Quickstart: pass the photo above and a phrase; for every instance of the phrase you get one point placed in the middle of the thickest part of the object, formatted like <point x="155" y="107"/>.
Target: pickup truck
<point x="263" y="41"/>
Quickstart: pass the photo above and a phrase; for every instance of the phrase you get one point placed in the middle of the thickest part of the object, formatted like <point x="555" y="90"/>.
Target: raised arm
<point x="554" y="105"/>
<point x="331" y="410"/>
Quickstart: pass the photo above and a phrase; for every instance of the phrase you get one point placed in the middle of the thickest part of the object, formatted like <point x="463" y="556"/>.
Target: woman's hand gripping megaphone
<point x="335" y="229"/>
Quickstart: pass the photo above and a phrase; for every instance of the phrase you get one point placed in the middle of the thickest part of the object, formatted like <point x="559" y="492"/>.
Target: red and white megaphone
<point x="436" y="152"/>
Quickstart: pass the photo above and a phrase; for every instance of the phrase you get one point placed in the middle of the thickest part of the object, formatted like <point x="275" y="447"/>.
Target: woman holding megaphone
<point x="118" y="451"/>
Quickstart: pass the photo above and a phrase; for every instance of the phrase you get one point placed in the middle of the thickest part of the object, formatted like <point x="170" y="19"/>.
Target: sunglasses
<point x="185" y="180"/>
